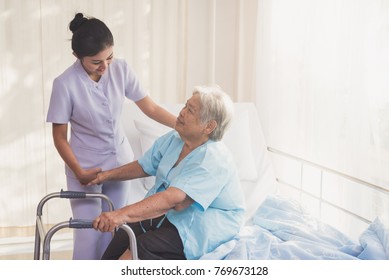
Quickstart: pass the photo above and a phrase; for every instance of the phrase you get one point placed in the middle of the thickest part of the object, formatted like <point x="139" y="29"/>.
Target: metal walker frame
<point x="41" y="234"/>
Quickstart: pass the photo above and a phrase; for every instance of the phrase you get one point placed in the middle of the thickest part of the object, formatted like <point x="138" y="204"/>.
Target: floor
<point x="63" y="255"/>
<point x="17" y="243"/>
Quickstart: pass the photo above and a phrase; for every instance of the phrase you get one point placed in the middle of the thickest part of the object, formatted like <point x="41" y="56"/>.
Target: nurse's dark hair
<point x="90" y="35"/>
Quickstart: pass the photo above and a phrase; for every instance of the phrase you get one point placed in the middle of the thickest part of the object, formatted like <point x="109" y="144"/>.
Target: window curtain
<point x="173" y="45"/>
<point x="316" y="69"/>
<point x="322" y="83"/>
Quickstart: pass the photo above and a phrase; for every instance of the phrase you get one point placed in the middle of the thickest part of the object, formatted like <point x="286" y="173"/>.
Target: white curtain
<point x="173" y="45"/>
<point x="317" y="70"/>
<point x="323" y="80"/>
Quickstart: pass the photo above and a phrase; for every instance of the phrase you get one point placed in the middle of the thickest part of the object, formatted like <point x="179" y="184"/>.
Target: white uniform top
<point x="94" y="112"/>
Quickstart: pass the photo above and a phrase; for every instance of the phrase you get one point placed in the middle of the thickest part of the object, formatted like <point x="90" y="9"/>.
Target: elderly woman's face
<point x="188" y="121"/>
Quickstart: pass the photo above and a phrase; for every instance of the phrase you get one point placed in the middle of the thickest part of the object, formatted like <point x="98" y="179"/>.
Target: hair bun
<point x="78" y="20"/>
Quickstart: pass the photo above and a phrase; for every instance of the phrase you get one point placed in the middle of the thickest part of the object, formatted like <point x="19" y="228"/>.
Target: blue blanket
<point x="282" y="230"/>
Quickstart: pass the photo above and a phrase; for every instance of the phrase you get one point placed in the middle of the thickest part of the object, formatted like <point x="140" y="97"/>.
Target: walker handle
<point x="72" y="194"/>
<point x="79" y="223"/>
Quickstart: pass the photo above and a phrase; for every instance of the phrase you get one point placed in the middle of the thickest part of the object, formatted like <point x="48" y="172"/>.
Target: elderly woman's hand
<point x="109" y="221"/>
<point x="84" y="176"/>
<point x="100" y="178"/>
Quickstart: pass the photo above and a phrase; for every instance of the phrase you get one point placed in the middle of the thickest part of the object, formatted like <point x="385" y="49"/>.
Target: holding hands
<point x="87" y="175"/>
<point x="100" y="177"/>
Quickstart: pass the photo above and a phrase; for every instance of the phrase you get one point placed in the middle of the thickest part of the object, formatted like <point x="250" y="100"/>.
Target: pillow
<point x="238" y="140"/>
<point x="149" y="132"/>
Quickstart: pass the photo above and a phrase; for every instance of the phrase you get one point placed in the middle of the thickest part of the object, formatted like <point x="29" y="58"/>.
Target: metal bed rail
<point x="369" y="185"/>
<point x="351" y="178"/>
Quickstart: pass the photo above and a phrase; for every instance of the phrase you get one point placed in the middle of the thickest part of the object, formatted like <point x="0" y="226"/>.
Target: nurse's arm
<point x="132" y="170"/>
<point x="151" y="207"/>
<point x="156" y="112"/>
<point x="65" y="151"/>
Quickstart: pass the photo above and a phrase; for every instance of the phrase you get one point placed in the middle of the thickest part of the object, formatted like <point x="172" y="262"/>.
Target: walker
<point x="40" y="233"/>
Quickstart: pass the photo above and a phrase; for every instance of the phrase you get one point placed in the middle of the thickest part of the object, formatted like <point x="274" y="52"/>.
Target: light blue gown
<point x="209" y="176"/>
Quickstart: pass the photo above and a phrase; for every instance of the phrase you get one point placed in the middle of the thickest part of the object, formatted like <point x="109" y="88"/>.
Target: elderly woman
<point x="196" y="203"/>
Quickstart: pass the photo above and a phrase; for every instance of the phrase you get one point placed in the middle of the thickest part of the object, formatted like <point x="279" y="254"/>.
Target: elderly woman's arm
<point x="128" y="171"/>
<point x="151" y="207"/>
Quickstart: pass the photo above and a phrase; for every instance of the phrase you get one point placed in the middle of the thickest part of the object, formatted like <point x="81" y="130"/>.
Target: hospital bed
<point x="285" y="219"/>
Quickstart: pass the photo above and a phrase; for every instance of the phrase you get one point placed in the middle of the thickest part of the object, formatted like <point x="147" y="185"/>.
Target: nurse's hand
<point x="87" y="175"/>
<point x="100" y="178"/>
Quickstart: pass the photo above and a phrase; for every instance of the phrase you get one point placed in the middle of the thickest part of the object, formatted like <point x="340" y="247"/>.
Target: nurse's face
<point x="96" y="65"/>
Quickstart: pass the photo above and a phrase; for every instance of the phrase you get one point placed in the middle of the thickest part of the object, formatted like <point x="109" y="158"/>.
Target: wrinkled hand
<point x="85" y="176"/>
<point x="109" y="221"/>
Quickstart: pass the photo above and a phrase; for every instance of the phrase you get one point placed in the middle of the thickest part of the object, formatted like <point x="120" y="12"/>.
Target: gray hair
<point x="216" y="105"/>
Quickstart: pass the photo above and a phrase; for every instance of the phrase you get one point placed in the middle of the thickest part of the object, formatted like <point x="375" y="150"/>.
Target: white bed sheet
<point x="282" y="230"/>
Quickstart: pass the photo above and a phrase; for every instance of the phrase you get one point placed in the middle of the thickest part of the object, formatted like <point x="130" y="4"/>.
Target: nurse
<point x="196" y="203"/>
<point x="89" y="96"/>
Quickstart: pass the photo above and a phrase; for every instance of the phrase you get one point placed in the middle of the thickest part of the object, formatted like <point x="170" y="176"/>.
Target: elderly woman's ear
<point x="210" y="127"/>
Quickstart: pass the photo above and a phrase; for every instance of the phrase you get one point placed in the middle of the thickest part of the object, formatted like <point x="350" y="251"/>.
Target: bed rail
<point x="351" y="178"/>
<point x="323" y="169"/>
